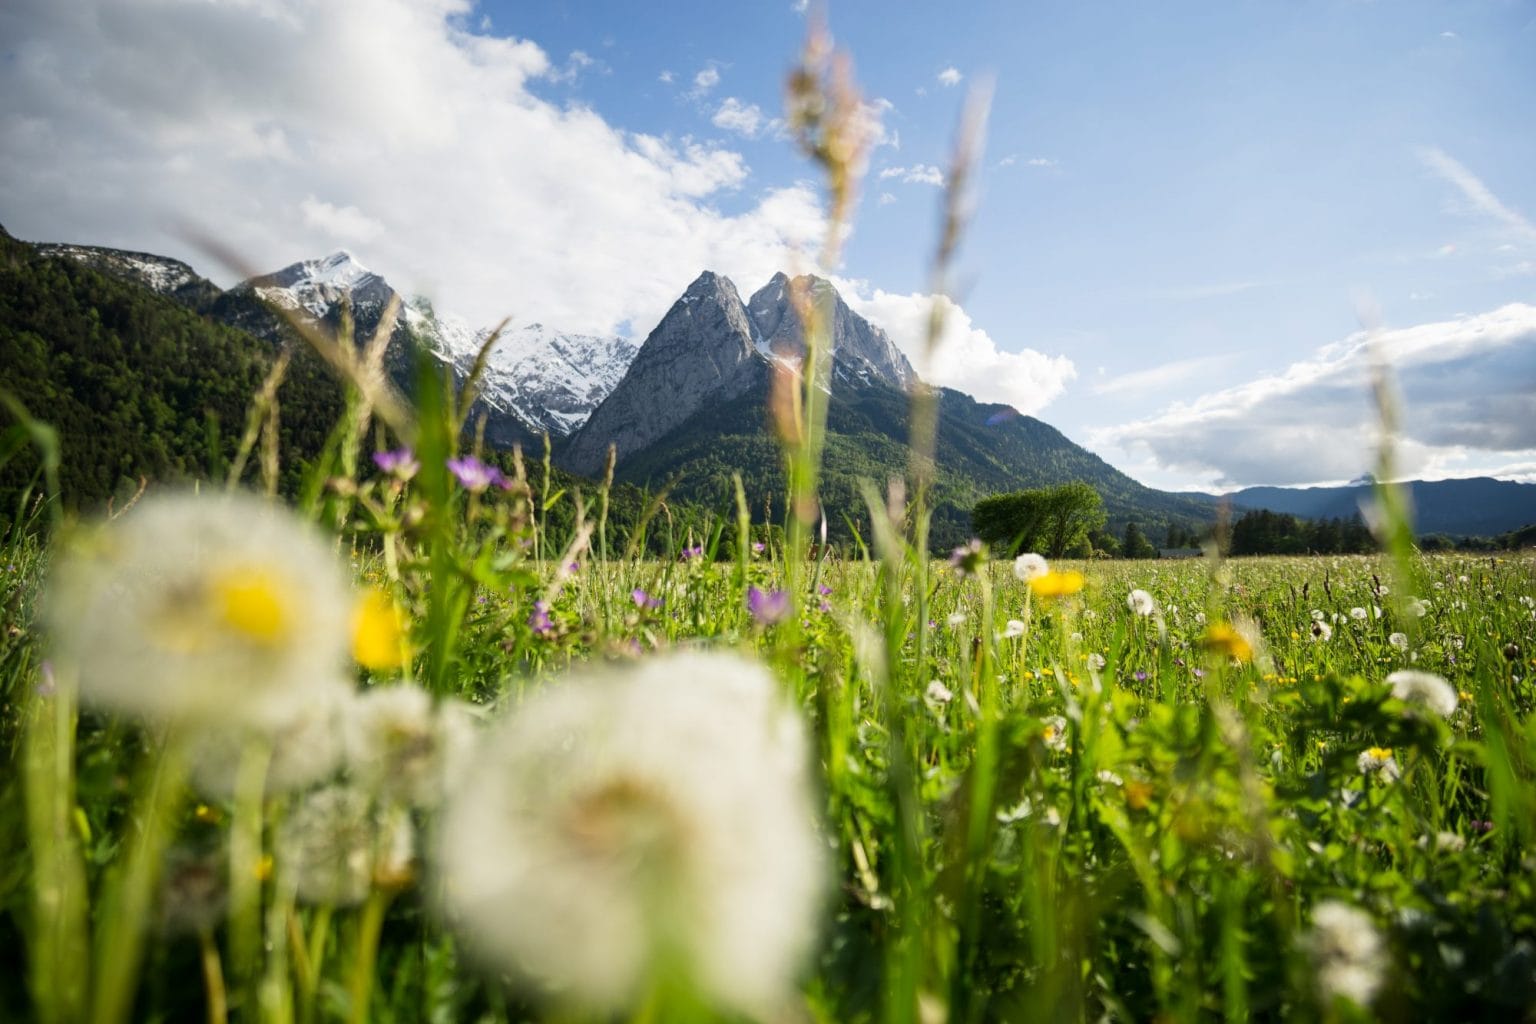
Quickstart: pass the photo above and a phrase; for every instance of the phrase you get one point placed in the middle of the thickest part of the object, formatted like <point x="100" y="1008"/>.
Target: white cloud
<point x="799" y="6"/>
<point x="886" y="199"/>
<point x="1476" y="193"/>
<point x="950" y="76"/>
<point x="706" y="80"/>
<point x="575" y="64"/>
<point x="966" y="357"/>
<point x="285" y="129"/>
<point x="1041" y="161"/>
<point x="666" y="77"/>
<point x="917" y="174"/>
<point x="1468" y="392"/>
<point x="742" y="118"/>
<point x="343" y="223"/>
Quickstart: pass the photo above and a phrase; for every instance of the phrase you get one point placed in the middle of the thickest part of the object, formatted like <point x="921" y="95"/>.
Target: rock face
<point x="710" y="349"/>
<point x="552" y="380"/>
<point x="701" y="352"/>
<point x="861" y="352"/>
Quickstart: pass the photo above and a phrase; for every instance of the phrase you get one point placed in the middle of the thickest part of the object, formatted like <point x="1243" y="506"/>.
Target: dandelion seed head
<point x="1432" y="691"/>
<point x="1030" y="566"/>
<point x="1140" y="602"/>
<point x="615" y="820"/>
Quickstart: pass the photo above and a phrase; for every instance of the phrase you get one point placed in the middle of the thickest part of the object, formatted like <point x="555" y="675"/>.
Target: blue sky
<point x="1180" y="208"/>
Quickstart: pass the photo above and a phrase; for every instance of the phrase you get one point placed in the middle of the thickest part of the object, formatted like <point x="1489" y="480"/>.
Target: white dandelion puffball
<point x="333" y="845"/>
<point x="303" y="745"/>
<point x="1398" y="640"/>
<point x="403" y="748"/>
<point x="1030" y="566"/>
<point x="1347" y="952"/>
<point x="1379" y="761"/>
<point x="1140" y="602"/>
<point x="1014" y="628"/>
<point x="219" y="609"/>
<point x="1414" y="687"/>
<point x="1096" y="662"/>
<point x="620" y="825"/>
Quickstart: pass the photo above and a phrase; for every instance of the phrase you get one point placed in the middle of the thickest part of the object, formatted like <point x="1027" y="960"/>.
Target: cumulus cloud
<point x="917" y="174"/>
<point x="288" y="129"/>
<point x="966" y="357"/>
<point x="745" y="119"/>
<point x="950" y="76"/>
<point x="1468" y="391"/>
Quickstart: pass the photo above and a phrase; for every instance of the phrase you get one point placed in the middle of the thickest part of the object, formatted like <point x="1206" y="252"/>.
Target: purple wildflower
<point x="400" y="463"/>
<point x="539" y="620"/>
<point x="758" y="547"/>
<point x="694" y="552"/>
<point x="644" y="600"/>
<point x="968" y="558"/>
<point x="824" y="590"/>
<point x="825" y="607"/>
<point x="1141" y="677"/>
<point x="474" y="475"/>
<point x="767" y="606"/>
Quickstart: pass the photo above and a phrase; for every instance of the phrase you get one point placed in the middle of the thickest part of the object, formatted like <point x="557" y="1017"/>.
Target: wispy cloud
<point x="917" y="174"/>
<point x="1479" y="195"/>
<point x="950" y="76"/>
<point x="1156" y="378"/>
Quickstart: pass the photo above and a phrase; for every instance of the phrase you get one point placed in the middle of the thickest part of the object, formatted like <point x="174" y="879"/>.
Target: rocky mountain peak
<point x="861" y="352"/>
<point x="702" y="352"/>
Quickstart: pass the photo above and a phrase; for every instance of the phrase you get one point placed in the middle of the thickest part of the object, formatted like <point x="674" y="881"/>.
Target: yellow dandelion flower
<point x="1057" y="584"/>
<point x="1223" y="638"/>
<point x="378" y="632"/>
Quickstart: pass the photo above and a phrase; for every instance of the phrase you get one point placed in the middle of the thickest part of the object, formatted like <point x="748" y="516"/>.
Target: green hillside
<point x="982" y="449"/>
<point x="135" y="383"/>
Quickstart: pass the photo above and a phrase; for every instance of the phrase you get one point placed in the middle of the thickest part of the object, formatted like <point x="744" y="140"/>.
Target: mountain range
<point x="688" y="407"/>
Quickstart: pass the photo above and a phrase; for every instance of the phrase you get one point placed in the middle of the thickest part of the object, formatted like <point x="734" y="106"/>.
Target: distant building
<point x="1180" y="552"/>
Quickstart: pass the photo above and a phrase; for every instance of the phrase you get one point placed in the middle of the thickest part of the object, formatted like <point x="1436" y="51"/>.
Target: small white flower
<point x="1109" y="778"/>
<point x="1359" y="614"/>
<point x="1321" y="631"/>
<point x="1318" y="615"/>
<point x="1426" y="688"/>
<point x="1200" y="618"/>
<point x="1418" y="607"/>
<point x="1015" y="627"/>
<point x="938" y="694"/>
<point x="1140" y="602"/>
<point x="1055" y="732"/>
<point x="1347" y="952"/>
<point x="1030" y="566"/>
<point x="1398" y="640"/>
<point x="1076" y="637"/>
<point x="956" y="619"/>
<point x="1378" y="761"/>
<point x="1096" y="661"/>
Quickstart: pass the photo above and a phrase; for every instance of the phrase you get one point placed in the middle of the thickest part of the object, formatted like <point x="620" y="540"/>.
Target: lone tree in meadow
<point x="1049" y="520"/>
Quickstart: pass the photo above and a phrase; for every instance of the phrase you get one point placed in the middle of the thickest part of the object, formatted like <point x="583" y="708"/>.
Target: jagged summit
<point x="711" y="348"/>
